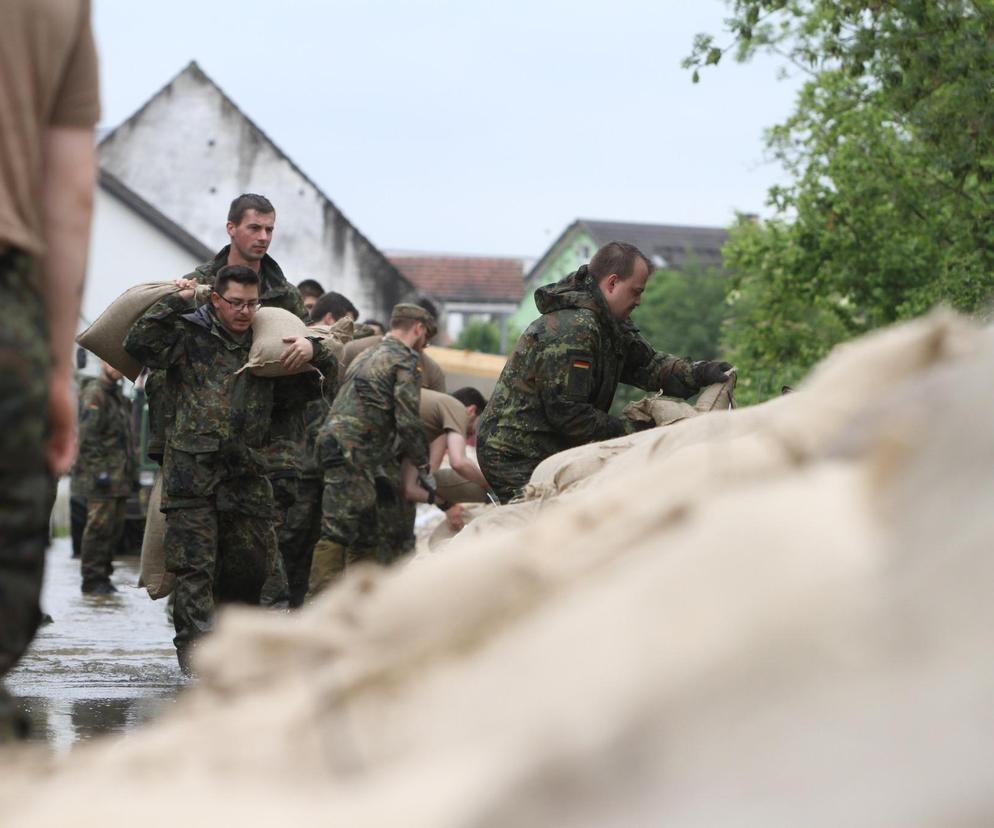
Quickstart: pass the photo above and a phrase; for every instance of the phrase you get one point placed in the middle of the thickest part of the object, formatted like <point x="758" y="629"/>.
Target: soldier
<point x="310" y="291"/>
<point x="220" y="540"/>
<point x="331" y="307"/>
<point x="251" y="225"/>
<point x="375" y="412"/>
<point x="107" y="478"/>
<point x="302" y="526"/>
<point x="49" y="105"/>
<point x="430" y="371"/>
<point x="449" y="422"/>
<point x="557" y="386"/>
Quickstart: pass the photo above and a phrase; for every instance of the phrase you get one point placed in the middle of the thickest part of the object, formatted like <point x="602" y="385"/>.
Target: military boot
<point x="327" y="565"/>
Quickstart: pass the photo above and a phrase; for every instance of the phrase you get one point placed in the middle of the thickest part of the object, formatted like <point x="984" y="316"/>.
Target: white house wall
<point x="125" y="249"/>
<point x="189" y="151"/>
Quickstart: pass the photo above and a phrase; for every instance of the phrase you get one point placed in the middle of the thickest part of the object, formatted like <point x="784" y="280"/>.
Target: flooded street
<point x="104" y="665"/>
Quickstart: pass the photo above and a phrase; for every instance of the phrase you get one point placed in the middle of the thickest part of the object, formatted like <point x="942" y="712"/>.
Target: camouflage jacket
<point x="275" y="291"/>
<point x="375" y="415"/>
<point x="558" y="384"/>
<point x="221" y="418"/>
<point x="107" y="464"/>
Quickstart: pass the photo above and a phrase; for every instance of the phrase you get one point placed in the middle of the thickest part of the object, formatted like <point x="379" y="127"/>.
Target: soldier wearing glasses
<point x="220" y="537"/>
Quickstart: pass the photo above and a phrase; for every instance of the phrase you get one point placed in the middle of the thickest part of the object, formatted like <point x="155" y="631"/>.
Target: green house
<point x="667" y="245"/>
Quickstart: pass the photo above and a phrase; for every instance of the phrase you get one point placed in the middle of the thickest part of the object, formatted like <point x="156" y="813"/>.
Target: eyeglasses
<point x="252" y="305"/>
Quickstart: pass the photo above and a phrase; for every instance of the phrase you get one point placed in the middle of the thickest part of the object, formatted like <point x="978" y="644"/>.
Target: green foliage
<point x="682" y="313"/>
<point x="479" y="336"/>
<point x="890" y="151"/>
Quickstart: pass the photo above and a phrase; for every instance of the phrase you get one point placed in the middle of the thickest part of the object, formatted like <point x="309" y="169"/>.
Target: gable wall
<point x="190" y="151"/>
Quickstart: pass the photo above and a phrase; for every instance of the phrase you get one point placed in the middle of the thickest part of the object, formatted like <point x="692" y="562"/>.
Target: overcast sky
<point x="458" y="126"/>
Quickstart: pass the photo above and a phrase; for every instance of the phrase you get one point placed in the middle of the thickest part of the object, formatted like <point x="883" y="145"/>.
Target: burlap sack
<point x="105" y="336"/>
<point x="269" y="328"/>
<point x="154" y="577"/>
<point x="457" y="489"/>
<point x="658" y="409"/>
<point x="717" y="397"/>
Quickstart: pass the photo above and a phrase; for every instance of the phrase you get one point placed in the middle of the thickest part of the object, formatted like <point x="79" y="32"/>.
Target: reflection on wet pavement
<point x="105" y="664"/>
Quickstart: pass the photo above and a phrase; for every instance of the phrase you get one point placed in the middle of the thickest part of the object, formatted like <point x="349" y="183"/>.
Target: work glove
<point x="708" y="372"/>
<point x="427" y="480"/>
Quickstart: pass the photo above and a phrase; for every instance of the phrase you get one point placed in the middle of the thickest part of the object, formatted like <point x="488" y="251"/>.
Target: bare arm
<point x="67" y="208"/>
<point x="436" y="452"/>
<point x="462" y="464"/>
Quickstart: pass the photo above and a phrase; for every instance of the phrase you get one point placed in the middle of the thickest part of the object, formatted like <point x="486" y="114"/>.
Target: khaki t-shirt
<point x="441" y="413"/>
<point x="48" y="77"/>
<point x="432" y="375"/>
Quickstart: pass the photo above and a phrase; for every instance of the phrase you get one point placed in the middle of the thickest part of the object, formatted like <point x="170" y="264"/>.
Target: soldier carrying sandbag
<point x="220" y="541"/>
<point x="556" y="388"/>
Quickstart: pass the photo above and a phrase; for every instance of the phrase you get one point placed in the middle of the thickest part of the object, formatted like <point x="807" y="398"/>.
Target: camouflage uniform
<point x="274" y="291"/>
<point x="392" y="531"/>
<point x="375" y="411"/>
<point x="106" y="477"/>
<point x="557" y="386"/>
<point x="220" y="539"/>
<point x="27" y="489"/>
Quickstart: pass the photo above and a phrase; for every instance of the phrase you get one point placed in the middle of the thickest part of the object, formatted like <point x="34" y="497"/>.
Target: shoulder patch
<point x="579" y="378"/>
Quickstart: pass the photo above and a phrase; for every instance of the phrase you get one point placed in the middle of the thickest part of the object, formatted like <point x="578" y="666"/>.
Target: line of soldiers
<point x="249" y="489"/>
<point x="273" y="487"/>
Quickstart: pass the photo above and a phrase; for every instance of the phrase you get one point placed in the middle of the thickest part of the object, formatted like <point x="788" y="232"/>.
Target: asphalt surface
<point x="104" y="665"/>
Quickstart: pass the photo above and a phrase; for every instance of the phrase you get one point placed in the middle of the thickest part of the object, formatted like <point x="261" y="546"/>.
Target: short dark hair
<point x="617" y="257"/>
<point x="333" y="303"/>
<point x="234" y="273"/>
<point x="310" y="287"/>
<point x="248" y="201"/>
<point x="429" y="306"/>
<point x="376" y="322"/>
<point x="471" y="396"/>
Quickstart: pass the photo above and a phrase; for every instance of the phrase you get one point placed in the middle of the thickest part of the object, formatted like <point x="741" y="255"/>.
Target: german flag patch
<point x="580" y="378"/>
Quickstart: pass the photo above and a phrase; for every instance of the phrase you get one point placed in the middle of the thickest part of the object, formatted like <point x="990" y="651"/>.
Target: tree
<point x="479" y="336"/>
<point x="890" y="151"/>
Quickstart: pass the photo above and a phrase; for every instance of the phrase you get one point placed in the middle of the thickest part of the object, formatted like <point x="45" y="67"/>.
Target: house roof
<point x="194" y="70"/>
<point x="667" y="245"/>
<point x="117" y="188"/>
<point x="464" y="278"/>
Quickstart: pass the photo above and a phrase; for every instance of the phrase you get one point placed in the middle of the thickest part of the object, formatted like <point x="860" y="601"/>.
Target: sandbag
<point x="341" y="331"/>
<point x="717" y="397"/>
<point x="154" y="577"/>
<point x="269" y="328"/>
<point x="658" y="409"/>
<point x="455" y="488"/>
<point x="483" y="520"/>
<point x="105" y="337"/>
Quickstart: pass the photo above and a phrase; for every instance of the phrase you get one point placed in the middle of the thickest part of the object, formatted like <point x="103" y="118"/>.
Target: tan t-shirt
<point x="432" y="375"/>
<point x="441" y="413"/>
<point x="48" y="77"/>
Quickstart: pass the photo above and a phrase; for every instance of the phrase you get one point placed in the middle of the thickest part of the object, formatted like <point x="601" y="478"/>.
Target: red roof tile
<point x="464" y="279"/>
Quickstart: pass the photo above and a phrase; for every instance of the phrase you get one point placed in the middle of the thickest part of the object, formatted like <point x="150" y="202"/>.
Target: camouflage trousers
<point x="367" y="515"/>
<point x="217" y="557"/>
<point x="395" y="517"/>
<point x="27" y="490"/>
<point x="507" y="476"/>
<point x="105" y="519"/>
<point x="298" y="535"/>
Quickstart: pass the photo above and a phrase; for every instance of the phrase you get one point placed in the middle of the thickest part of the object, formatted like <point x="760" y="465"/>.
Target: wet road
<point x="105" y="664"/>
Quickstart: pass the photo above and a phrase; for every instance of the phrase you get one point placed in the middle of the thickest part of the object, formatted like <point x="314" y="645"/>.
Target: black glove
<point x="642" y="425"/>
<point x="708" y="372"/>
